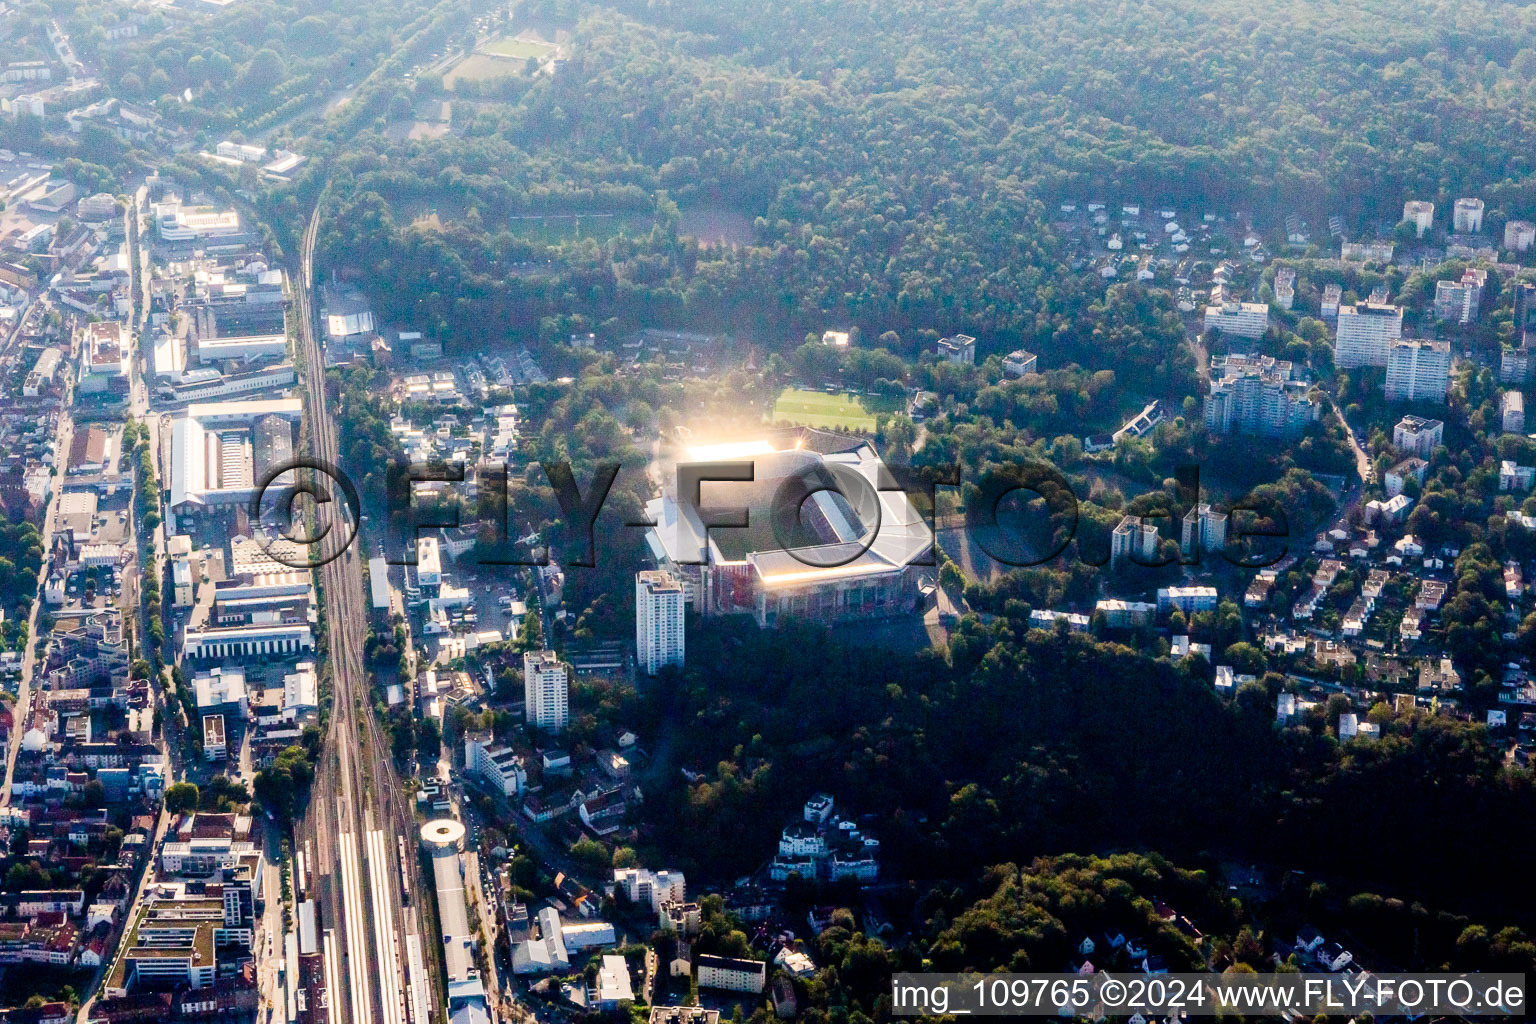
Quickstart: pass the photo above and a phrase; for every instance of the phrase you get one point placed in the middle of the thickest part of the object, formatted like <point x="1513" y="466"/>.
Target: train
<point x="405" y="874"/>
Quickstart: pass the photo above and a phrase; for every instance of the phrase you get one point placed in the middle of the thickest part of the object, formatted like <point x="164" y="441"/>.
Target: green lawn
<point x="521" y="49"/>
<point x="819" y="409"/>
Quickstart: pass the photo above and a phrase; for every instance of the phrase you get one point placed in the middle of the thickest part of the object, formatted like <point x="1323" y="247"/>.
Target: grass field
<point x="480" y="67"/>
<point x="519" y="49"/>
<point x="819" y="409"/>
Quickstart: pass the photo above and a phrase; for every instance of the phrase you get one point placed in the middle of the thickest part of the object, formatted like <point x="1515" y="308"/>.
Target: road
<point x="357" y="807"/>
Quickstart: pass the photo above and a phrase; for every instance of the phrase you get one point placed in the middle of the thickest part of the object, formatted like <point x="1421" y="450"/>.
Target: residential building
<point x="651" y="888"/>
<point x="1512" y="412"/>
<point x="40" y="378"/>
<point x="1329" y="306"/>
<point x="1285" y="287"/>
<point x="546" y="691"/>
<point x="613" y="985"/>
<point x="659" y="635"/>
<point x="1186" y="599"/>
<point x="98" y="207"/>
<point x="731" y="974"/>
<point x="1239" y="319"/>
<point x="1459" y="300"/>
<point x="1515" y="477"/>
<point x="1258" y="395"/>
<point x="1411" y="468"/>
<point x="683" y="1015"/>
<point x="1120" y="614"/>
<point x="1391" y="512"/>
<point x="1420" y="214"/>
<point x="1418" y="370"/>
<point x="494" y="763"/>
<point x="429" y="562"/>
<point x="1134" y="540"/>
<point x="1415" y="435"/>
<point x="961" y="348"/>
<point x="1205" y="529"/>
<point x="1515" y="361"/>
<point x="1020" y="363"/>
<point x="1366" y="252"/>
<point x="683" y="918"/>
<point x="1467" y="216"/>
<point x="1365" y="332"/>
<point x="1519" y="235"/>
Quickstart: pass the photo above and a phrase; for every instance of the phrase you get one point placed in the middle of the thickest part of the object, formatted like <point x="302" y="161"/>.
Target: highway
<point x="356" y="808"/>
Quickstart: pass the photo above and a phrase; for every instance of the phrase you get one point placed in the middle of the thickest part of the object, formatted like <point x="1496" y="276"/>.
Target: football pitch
<point x="819" y="409"/>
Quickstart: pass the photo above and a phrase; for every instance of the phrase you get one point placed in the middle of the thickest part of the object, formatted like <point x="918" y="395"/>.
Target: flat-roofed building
<point x="1460" y="300"/>
<point x="105" y="353"/>
<point x="1365" y="331"/>
<point x="546" y="690"/>
<point x="731" y="974"/>
<point x="248" y="641"/>
<point x="241" y="350"/>
<point x="1519" y="235"/>
<point x="1512" y="412"/>
<point x="1420" y="214"/>
<point x="177" y="223"/>
<point x="1133" y="540"/>
<point x="1258" y="395"/>
<point x="1418" y="370"/>
<point x="960" y="348"/>
<point x="429" y="562"/>
<point x="659" y="603"/>
<point x="1239" y="319"/>
<point x="1467" y="216"/>
<point x="1416" y="435"/>
<point x="213" y="451"/>
<point x="1020" y="363"/>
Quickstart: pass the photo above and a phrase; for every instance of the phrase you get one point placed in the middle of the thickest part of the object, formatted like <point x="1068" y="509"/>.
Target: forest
<point x="1014" y="743"/>
<point x="898" y="162"/>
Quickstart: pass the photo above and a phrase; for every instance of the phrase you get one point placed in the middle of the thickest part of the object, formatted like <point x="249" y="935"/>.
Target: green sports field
<point x="520" y="49"/>
<point x="819" y="409"/>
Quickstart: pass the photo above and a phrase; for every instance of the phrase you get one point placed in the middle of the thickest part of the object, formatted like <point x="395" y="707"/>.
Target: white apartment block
<point x="731" y="974"/>
<point x="1241" y="319"/>
<point x="495" y="764"/>
<point x="1258" y="396"/>
<point x="1418" y="370"/>
<point x="1467" y="216"/>
<point x="1186" y="599"/>
<point x="958" y="349"/>
<point x="653" y="888"/>
<point x="1133" y="540"/>
<point x="1512" y="409"/>
<point x="1420" y="214"/>
<point x="1205" y="529"/>
<point x="659" y="600"/>
<point x="1459" y="300"/>
<point x="1417" y="435"/>
<point x="1285" y="287"/>
<point x="546" y="691"/>
<point x="1366" y="330"/>
<point x="429" y="562"/>
<point x="1519" y="235"/>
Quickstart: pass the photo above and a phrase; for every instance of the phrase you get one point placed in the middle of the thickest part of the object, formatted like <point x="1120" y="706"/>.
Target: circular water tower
<point x="442" y="837"/>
